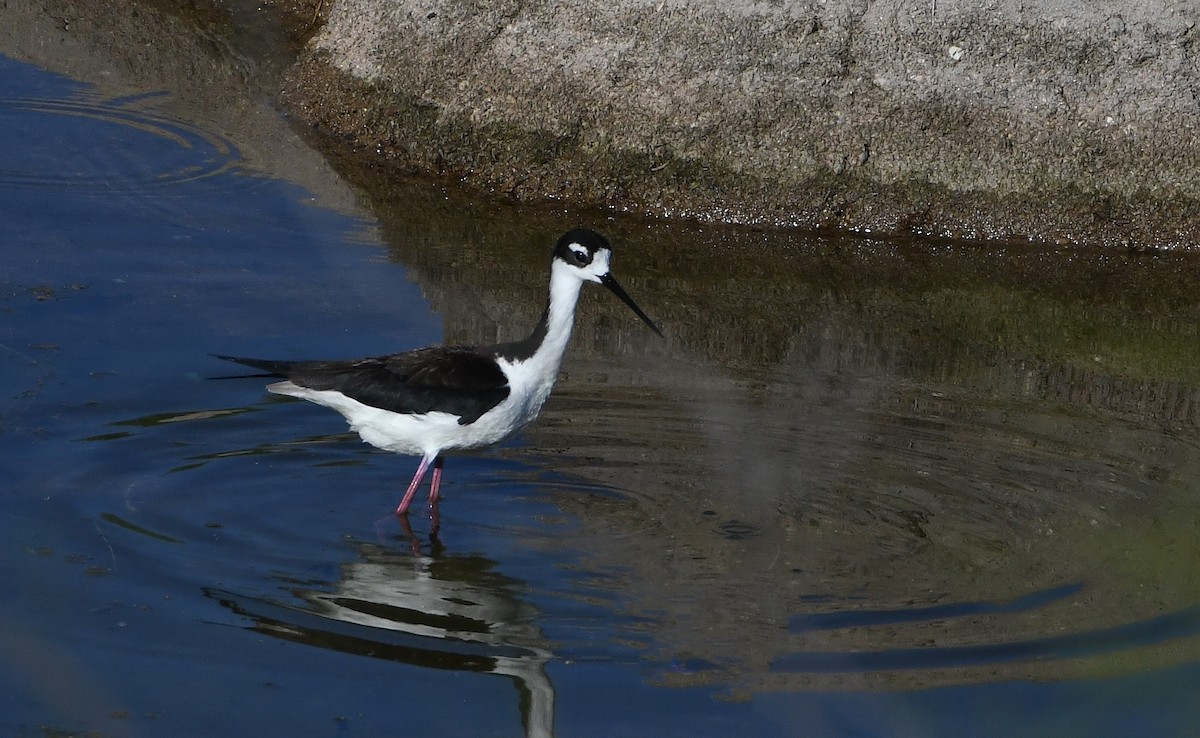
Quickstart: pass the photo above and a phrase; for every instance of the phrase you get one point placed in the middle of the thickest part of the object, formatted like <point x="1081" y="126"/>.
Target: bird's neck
<point x="553" y="331"/>
<point x="543" y="350"/>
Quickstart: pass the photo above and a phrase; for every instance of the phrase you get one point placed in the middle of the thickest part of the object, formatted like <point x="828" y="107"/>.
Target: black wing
<point x="451" y="379"/>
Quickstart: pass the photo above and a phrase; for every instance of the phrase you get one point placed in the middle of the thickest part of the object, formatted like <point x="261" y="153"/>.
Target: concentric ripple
<point x="103" y="146"/>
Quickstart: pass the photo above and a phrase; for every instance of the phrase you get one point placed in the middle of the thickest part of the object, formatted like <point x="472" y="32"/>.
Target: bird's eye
<point x="581" y="255"/>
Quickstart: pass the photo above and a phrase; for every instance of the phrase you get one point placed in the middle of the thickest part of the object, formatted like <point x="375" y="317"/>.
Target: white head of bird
<point x="585" y="255"/>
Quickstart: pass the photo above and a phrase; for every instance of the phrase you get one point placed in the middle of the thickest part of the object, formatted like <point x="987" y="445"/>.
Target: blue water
<point x="184" y="556"/>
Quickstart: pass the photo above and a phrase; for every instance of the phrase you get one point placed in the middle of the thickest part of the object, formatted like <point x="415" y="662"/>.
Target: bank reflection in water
<point x="440" y="611"/>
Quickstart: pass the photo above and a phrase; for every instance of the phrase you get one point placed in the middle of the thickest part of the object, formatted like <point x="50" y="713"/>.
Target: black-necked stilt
<point x="440" y="398"/>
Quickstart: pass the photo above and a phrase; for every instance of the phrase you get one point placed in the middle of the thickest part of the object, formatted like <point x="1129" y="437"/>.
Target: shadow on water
<point x="864" y="488"/>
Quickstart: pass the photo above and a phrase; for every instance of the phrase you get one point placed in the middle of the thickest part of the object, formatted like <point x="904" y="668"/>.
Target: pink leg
<point x="402" y="508"/>
<point x="435" y="486"/>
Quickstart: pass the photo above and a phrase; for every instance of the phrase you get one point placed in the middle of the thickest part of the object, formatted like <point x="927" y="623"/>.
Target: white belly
<point x="423" y="434"/>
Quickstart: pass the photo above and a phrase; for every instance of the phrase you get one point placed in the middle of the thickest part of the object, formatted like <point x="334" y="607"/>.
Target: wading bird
<point x="442" y="398"/>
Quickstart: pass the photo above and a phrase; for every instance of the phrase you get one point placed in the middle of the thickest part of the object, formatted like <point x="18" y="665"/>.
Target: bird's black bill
<point x="608" y="281"/>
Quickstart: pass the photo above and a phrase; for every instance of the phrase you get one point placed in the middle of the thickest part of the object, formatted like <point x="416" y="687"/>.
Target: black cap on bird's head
<point x="579" y="246"/>
<point x="589" y="253"/>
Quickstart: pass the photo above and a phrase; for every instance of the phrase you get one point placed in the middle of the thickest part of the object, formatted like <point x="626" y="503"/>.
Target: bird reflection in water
<point x="440" y="611"/>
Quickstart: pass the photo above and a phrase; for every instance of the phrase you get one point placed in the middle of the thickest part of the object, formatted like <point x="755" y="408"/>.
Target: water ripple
<point x="109" y="146"/>
<point x="1076" y="645"/>
<point x="868" y="618"/>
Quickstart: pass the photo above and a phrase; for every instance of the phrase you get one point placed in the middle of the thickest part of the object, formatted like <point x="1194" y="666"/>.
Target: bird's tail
<point x="270" y="368"/>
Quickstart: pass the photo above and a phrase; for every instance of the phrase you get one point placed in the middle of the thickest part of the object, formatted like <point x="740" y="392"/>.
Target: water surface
<point x="864" y="488"/>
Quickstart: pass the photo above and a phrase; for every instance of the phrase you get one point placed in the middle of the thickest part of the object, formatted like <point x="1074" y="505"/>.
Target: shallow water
<point x="864" y="488"/>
